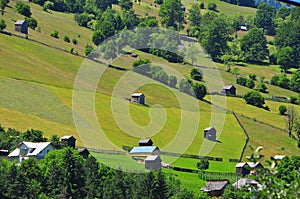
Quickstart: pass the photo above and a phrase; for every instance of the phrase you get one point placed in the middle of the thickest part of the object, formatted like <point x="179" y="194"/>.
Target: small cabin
<point x="84" y="152"/>
<point x="242" y="169"/>
<point x="153" y="162"/>
<point x="69" y="140"/>
<point x="229" y="90"/>
<point x="138" y="98"/>
<point x="21" y="26"/>
<point x="145" y="142"/>
<point x="210" y="133"/>
<point x="215" y="188"/>
<point x="243" y="28"/>
<point x="4" y="152"/>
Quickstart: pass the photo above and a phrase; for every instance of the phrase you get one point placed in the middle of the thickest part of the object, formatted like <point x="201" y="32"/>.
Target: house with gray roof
<point x="215" y="188"/>
<point x="153" y="162"/>
<point x="26" y="150"/>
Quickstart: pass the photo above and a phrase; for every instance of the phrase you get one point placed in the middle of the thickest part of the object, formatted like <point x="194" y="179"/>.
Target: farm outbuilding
<point x="246" y="182"/>
<point x="153" y="162"/>
<point x="210" y="133"/>
<point x="215" y="188"/>
<point x="145" y="142"/>
<point x="138" y="98"/>
<point x="245" y="168"/>
<point x="21" y="26"/>
<point x="84" y="152"/>
<point x="229" y="90"/>
<point x="144" y="151"/>
<point x="243" y="28"/>
<point x="69" y="140"/>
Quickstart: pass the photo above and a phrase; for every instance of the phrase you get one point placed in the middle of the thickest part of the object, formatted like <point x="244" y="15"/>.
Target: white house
<point x="26" y="150"/>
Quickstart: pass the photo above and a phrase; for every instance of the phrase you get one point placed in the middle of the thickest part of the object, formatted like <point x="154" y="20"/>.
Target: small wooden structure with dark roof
<point x="69" y="140"/>
<point x="229" y="90"/>
<point x="245" y="168"/>
<point x="84" y="152"/>
<point x="21" y="26"/>
<point x="138" y="98"/>
<point x="210" y="133"/>
<point x="215" y="188"/>
<point x="145" y="142"/>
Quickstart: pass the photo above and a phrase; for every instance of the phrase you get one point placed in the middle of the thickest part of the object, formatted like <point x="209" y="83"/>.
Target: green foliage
<point x="264" y="18"/>
<point x="109" y="49"/>
<point x="254" y="98"/>
<point x="55" y="34"/>
<point x="2" y="25"/>
<point x="199" y="90"/>
<point x="196" y="74"/>
<point x="283" y="12"/>
<point x="282" y="109"/>
<point x="74" y="41"/>
<point x="141" y="62"/>
<point x="3" y="4"/>
<point x="185" y="86"/>
<point x="261" y="87"/>
<point x="125" y="4"/>
<point x="294" y="84"/>
<point x="82" y="19"/>
<point x="252" y="76"/>
<point x="172" y="81"/>
<point x="202" y="5"/>
<point x="283" y="81"/>
<point x="255" y="154"/>
<point x="212" y="6"/>
<point x="98" y="37"/>
<point x="284" y="58"/>
<point x="254" y="46"/>
<point x="250" y="83"/>
<point x="33" y="136"/>
<point x="241" y="81"/>
<point x="203" y="164"/>
<point x="88" y="49"/>
<point x="215" y="38"/>
<point x="293" y="99"/>
<point x="171" y="14"/>
<point x="192" y="53"/>
<point x="48" y="5"/>
<point x="195" y="15"/>
<point x="32" y="23"/>
<point x="23" y="9"/>
<point x="158" y="1"/>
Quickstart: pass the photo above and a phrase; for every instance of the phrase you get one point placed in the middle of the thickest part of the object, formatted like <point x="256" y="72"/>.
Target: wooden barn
<point x="229" y="90"/>
<point x="210" y="133"/>
<point x="145" y="142"/>
<point x="84" y="152"/>
<point x="138" y="98"/>
<point x="144" y="151"/>
<point x="215" y="188"/>
<point x="69" y="140"/>
<point x="21" y="26"/>
<point x="153" y="162"/>
<point x="242" y="169"/>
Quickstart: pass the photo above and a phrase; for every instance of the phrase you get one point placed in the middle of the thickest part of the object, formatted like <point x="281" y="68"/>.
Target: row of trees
<point x="65" y="174"/>
<point x="284" y="82"/>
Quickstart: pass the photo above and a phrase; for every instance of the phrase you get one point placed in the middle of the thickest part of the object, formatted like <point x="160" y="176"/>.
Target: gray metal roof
<point x="227" y="87"/>
<point x="144" y="140"/>
<point x="215" y="185"/>
<point x="137" y="94"/>
<point x="66" y="137"/>
<point x="152" y="157"/>
<point x="245" y="182"/>
<point x="209" y="128"/>
<point x="20" y="22"/>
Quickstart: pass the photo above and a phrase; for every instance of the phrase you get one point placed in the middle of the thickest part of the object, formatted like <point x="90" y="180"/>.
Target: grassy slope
<point x="48" y="22"/>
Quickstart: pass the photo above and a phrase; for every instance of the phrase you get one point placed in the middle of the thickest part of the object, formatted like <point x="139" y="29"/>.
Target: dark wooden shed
<point x="210" y="133"/>
<point x="215" y="188"/>
<point x="138" y="98"/>
<point x="69" y="140"/>
<point x="153" y="162"/>
<point x="84" y="152"/>
<point x="21" y="26"/>
<point x="229" y="90"/>
<point x="145" y="142"/>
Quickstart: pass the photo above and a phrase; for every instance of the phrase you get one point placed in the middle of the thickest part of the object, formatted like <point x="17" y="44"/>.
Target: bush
<point x="293" y="100"/>
<point x="140" y="62"/>
<point x="261" y="87"/>
<point x="72" y="50"/>
<point x="172" y="81"/>
<point x="159" y="1"/>
<point x="250" y="83"/>
<point x="55" y="34"/>
<point x="274" y="80"/>
<point x="196" y="74"/>
<point x="23" y="9"/>
<point x="82" y="19"/>
<point x="282" y="109"/>
<point x="199" y="90"/>
<point x="254" y="98"/>
<point x="203" y="164"/>
<point x="74" y="41"/>
<point x="32" y="23"/>
<point x="88" y="49"/>
<point x="2" y="25"/>
<point x="201" y="5"/>
<point x="66" y="39"/>
<point x="212" y="6"/>
<point x="273" y="59"/>
<point x="252" y="76"/>
<point x="48" y="5"/>
<point x="241" y="81"/>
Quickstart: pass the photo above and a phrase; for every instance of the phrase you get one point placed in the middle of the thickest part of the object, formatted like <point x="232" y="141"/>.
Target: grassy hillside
<point x="47" y="23"/>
